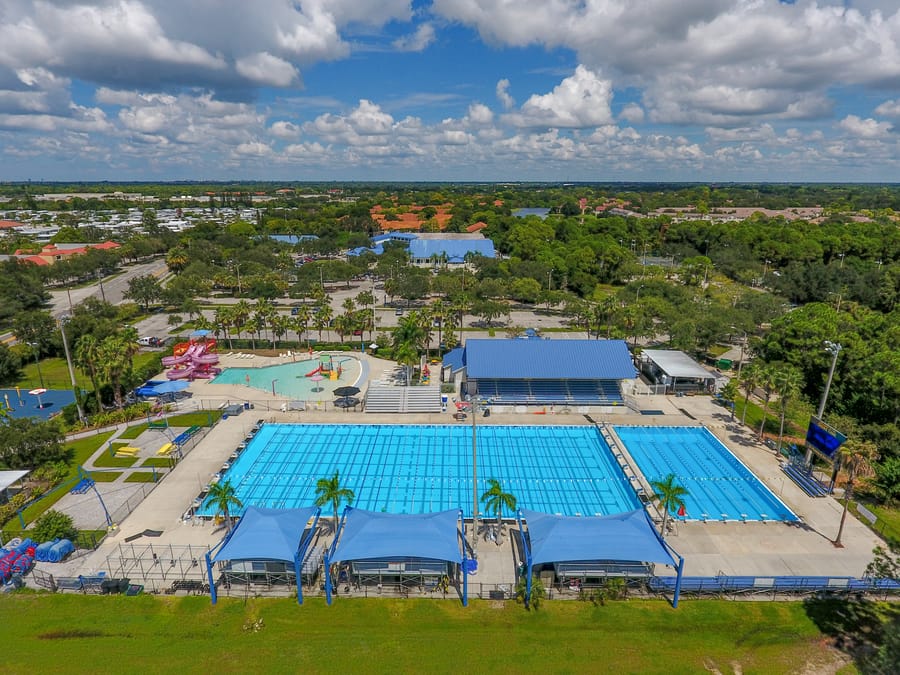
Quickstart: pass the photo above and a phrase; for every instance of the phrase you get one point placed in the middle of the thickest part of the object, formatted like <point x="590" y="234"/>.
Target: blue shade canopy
<point x="548" y="359"/>
<point x="626" y="536"/>
<point x="202" y="332"/>
<point x="170" y="386"/>
<point x="266" y="534"/>
<point x="368" y="534"/>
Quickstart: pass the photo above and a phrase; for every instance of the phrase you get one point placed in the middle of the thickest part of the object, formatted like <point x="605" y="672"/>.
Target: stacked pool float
<point x="16" y="561"/>
<point x="53" y="551"/>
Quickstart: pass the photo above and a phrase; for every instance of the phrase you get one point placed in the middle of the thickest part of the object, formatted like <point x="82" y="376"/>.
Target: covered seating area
<point x="677" y="371"/>
<point x="547" y="372"/>
<point x="424" y="551"/>
<point x="267" y="545"/>
<point x="619" y="545"/>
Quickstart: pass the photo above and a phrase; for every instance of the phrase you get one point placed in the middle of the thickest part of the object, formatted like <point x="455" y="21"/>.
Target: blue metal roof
<point x="394" y="236"/>
<point x="454" y="250"/>
<point x="548" y="360"/>
<point x="454" y="359"/>
<point x="622" y="536"/>
<point x="368" y="534"/>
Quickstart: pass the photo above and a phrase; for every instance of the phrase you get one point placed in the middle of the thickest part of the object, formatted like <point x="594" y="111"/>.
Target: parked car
<point x="149" y="341"/>
<point x="398" y="311"/>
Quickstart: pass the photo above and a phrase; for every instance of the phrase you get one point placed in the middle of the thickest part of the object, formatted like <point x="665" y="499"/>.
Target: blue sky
<point x="717" y="90"/>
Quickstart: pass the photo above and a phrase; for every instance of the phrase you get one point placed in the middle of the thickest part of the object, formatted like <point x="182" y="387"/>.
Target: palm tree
<point x="856" y="458"/>
<point x="495" y="499"/>
<point x="87" y="357"/>
<point x="330" y="491"/>
<point x="749" y="380"/>
<point x="788" y="381"/>
<point x="767" y="376"/>
<point x="670" y="496"/>
<point x="222" y="496"/>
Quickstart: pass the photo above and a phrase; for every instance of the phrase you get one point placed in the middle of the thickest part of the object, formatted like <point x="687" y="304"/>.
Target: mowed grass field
<point x="158" y="634"/>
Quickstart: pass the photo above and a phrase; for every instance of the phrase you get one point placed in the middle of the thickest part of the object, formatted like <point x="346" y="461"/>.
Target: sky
<point x="450" y="90"/>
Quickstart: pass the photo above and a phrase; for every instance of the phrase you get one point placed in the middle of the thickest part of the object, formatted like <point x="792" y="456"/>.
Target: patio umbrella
<point x="170" y="386"/>
<point x="346" y="391"/>
<point x="317" y="378"/>
<point x="346" y="402"/>
<point x="37" y="392"/>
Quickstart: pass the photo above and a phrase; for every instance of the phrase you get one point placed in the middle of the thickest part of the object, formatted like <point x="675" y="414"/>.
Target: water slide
<point x="201" y="356"/>
<point x="181" y="373"/>
<point x="179" y="355"/>
<point x="318" y="369"/>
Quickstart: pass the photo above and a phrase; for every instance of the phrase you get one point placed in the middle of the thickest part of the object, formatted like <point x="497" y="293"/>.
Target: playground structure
<point x="426" y="375"/>
<point x="327" y="368"/>
<point x="192" y="360"/>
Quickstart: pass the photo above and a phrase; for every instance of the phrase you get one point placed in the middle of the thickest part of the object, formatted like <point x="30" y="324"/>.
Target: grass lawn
<point x="188" y="635"/>
<point x="56" y="373"/>
<point x="200" y="419"/>
<point x="157" y="462"/>
<point x="133" y="432"/>
<point x="143" y="477"/>
<point x="105" y="476"/>
<point x="82" y="449"/>
<point x="107" y="461"/>
<point x="888" y="523"/>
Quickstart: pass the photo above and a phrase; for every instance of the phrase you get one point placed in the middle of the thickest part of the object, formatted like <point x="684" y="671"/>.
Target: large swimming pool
<point x="719" y="486"/>
<point x="424" y="468"/>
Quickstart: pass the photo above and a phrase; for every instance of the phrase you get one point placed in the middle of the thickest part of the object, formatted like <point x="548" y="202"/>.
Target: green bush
<point x="54" y="525"/>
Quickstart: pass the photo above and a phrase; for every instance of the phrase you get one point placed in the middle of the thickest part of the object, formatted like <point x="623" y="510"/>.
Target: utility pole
<point x="62" y="323"/>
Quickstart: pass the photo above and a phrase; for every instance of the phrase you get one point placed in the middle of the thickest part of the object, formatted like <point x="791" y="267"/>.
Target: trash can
<point x="487" y="412"/>
<point x="247" y="405"/>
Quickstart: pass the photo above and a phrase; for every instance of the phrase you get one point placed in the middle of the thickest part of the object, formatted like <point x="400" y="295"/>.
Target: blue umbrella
<point x="202" y="332"/>
<point x="170" y="386"/>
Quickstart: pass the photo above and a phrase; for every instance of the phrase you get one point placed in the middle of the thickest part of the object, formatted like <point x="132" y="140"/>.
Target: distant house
<point x="53" y="253"/>
<point x="476" y="227"/>
<point x="9" y="225"/>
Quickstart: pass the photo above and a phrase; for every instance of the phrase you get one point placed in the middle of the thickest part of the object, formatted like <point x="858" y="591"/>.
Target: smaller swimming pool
<point x="720" y="486"/>
<point x="289" y="379"/>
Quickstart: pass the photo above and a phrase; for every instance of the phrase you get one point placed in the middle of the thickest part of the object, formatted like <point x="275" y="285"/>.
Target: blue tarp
<point x="548" y="360"/>
<point x="369" y="534"/>
<point x="453" y="250"/>
<point x="266" y="534"/>
<point x="626" y="536"/>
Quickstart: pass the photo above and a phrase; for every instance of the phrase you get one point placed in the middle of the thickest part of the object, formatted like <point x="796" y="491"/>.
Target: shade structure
<point x="171" y="386"/>
<point x="366" y="535"/>
<point x="202" y="332"/>
<point x="267" y="534"/>
<point x="346" y="391"/>
<point x="629" y="536"/>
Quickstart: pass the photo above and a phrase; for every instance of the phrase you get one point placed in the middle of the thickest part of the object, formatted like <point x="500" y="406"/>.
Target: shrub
<point x="537" y="592"/>
<point x="54" y="525"/>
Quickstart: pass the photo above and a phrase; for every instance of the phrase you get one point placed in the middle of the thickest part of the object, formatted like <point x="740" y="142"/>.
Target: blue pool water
<point x="425" y="468"/>
<point x="289" y="379"/>
<point x="720" y="487"/>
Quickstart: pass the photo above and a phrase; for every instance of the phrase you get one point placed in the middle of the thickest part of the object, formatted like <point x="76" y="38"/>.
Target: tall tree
<point x="330" y="491"/>
<point x="767" y="375"/>
<point x="87" y="357"/>
<point x="749" y="380"/>
<point x="223" y="497"/>
<point x="144" y="290"/>
<point x="495" y="499"/>
<point x="857" y="458"/>
<point x="788" y="381"/>
<point x="670" y="496"/>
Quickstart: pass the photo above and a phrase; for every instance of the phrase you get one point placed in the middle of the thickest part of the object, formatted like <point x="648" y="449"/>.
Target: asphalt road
<point x="112" y="288"/>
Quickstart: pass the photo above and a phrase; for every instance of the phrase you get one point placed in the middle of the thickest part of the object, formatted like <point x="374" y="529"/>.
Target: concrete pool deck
<point x="711" y="548"/>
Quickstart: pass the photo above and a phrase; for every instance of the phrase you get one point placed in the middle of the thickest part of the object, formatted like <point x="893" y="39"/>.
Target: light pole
<point x="37" y="362"/>
<point x="62" y="330"/>
<point x="833" y="348"/>
<point x="474" y="409"/>
<point x="637" y="296"/>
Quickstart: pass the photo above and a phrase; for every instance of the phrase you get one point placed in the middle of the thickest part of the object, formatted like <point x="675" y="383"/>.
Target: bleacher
<point x="384" y="398"/>
<point x="551" y="392"/>
<point x="805" y="480"/>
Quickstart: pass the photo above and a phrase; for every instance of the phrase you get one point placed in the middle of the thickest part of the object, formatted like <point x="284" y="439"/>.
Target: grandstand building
<point x="514" y="372"/>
